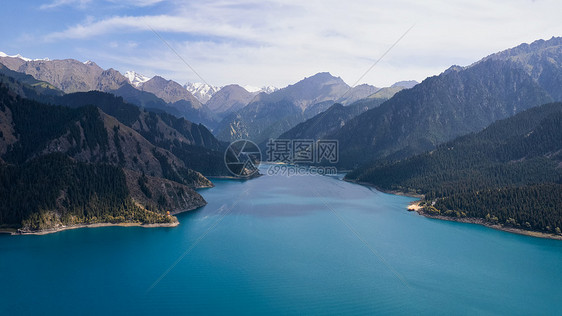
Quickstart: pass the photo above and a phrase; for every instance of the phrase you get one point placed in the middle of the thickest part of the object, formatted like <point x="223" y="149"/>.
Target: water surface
<point x="284" y="245"/>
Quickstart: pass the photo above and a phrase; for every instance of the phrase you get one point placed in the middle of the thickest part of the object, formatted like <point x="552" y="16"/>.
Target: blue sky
<point x="274" y="42"/>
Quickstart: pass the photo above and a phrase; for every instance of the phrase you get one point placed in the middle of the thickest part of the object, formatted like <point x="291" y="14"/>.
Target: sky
<point x="275" y="42"/>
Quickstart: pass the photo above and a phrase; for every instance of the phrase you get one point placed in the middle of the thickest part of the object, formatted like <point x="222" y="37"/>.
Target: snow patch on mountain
<point x="202" y="91"/>
<point x="256" y="90"/>
<point x="136" y="79"/>
<point x="2" y="54"/>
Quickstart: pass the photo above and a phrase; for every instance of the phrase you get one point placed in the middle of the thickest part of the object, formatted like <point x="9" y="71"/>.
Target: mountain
<point x="169" y="91"/>
<point x="192" y="143"/>
<point x="25" y="85"/>
<point x="228" y="99"/>
<point x="312" y="90"/>
<point x="15" y="61"/>
<point x="357" y="93"/>
<point x="407" y="84"/>
<point x="180" y="102"/>
<point x="457" y="102"/>
<point x="269" y="115"/>
<point x="198" y="148"/>
<point x="202" y="91"/>
<point x="143" y="99"/>
<point x="542" y="60"/>
<point x="509" y="174"/>
<point x="68" y="75"/>
<point x="70" y="166"/>
<point x="336" y="116"/>
<point x="136" y="79"/>
<point x="264" y="89"/>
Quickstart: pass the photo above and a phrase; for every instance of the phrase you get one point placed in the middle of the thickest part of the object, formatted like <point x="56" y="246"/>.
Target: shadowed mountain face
<point x="198" y="148"/>
<point x="315" y="89"/>
<point x="269" y="115"/>
<point x="542" y="60"/>
<point x="193" y="143"/>
<point x="457" y="102"/>
<point x="335" y="117"/>
<point x="67" y="166"/>
<point x="71" y="76"/>
<point x="229" y="99"/>
<point x="179" y="101"/>
<point x="27" y="86"/>
<point x="508" y="173"/>
<point x="169" y="91"/>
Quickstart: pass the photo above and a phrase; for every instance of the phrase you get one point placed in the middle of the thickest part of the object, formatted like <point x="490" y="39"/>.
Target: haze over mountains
<point x="458" y="101"/>
<point x="70" y="76"/>
<point x="232" y="111"/>
<point x="269" y="115"/>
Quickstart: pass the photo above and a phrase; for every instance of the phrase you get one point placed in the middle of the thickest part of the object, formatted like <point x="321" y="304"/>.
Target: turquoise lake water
<point x="284" y="245"/>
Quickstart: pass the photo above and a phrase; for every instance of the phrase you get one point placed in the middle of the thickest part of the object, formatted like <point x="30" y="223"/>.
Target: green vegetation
<point x="142" y="184"/>
<point x="439" y="109"/>
<point x="36" y="124"/>
<point x="53" y="190"/>
<point x="509" y="173"/>
<point x="203" y="154"/>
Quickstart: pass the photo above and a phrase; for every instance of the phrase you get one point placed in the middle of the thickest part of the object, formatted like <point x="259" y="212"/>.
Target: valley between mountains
<point x="81" y="145"/>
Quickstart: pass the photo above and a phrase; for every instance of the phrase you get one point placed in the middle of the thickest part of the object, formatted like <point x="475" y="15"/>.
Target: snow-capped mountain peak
<point x="256" y="90"/>
<point x="2" y="54"/>
<point x="202" y="91"/>
<point x="136" y="79"/>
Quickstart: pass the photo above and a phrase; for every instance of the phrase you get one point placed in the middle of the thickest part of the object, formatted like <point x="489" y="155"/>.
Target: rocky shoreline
<point x="415" y="207"/>
<point x="63" y="228"/>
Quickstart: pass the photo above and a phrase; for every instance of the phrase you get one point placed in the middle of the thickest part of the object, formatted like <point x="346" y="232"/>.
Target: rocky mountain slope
<point x="85" y="144"/>
<point x="269" y="115"/>
<point x="457" y="102"/>
<point x="508" y="174"/>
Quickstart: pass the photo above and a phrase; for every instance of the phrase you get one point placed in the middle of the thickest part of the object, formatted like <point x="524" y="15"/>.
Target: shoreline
<point x="96" y="225"/>
<point x="16" y="231"/>
<point x="415" y="207"/>
<point x="395" y="192"/>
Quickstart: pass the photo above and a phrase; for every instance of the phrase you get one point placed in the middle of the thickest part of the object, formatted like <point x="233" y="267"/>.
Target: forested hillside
<point x="510" y="173"/>
<point x="63" y="166"/>
<point x="437" y="110"/>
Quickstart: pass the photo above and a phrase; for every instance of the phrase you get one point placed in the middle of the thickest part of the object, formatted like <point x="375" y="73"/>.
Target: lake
<point x="284" y="245"/>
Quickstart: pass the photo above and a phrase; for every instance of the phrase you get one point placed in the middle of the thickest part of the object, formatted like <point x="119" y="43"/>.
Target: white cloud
<point x="58" y="3"/>
<point x="278" y="42"/>
<point x="84" y="3"/>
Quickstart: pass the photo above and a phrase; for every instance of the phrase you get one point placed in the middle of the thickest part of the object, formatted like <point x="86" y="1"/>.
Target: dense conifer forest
<point x="509" y="173"/>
